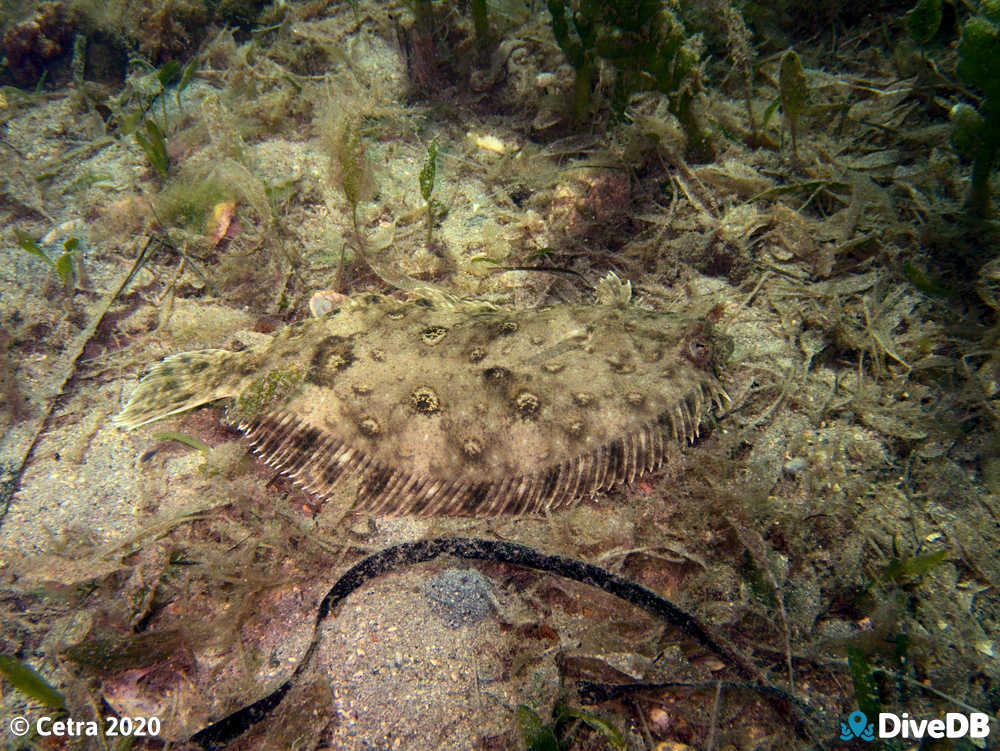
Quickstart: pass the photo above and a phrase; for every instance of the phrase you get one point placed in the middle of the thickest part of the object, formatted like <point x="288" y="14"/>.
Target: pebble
<point x="460" y="596"/>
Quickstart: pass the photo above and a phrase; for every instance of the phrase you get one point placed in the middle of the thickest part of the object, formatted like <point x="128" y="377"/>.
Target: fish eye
<point x="701" y="351"/>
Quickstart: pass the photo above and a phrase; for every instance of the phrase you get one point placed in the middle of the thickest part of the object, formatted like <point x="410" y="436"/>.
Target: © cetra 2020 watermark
<point x="112" y="727"/>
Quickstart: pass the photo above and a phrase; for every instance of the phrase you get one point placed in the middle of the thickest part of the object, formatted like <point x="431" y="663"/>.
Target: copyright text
<point x="46" y="726"/>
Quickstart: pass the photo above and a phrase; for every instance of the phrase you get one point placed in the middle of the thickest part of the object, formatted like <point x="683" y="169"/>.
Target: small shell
<point x="490" y="143"/>
<point x="324" y="301"/>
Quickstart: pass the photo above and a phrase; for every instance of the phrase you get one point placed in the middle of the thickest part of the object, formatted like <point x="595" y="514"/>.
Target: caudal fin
<point x="182" y="382"/>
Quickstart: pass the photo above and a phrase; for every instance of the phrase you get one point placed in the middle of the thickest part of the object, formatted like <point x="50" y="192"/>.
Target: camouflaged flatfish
<point x="445" y="406"/>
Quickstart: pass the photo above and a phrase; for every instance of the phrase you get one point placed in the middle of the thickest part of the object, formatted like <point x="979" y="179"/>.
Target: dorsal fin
<point x="317" y="460"/>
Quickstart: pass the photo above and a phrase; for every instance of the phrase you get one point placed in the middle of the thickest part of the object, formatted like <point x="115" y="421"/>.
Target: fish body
<point x="445" y="406"/>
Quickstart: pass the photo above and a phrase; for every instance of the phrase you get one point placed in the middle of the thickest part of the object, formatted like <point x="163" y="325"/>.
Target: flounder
<point x="440" y="405"/>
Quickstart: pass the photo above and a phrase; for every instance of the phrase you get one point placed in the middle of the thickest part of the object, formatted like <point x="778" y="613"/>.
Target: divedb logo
<point x="890" y="725"/>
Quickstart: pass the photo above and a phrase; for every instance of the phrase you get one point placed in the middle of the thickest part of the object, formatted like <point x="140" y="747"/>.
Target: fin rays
<point x="317" y="461"/>
<point x="177" y="384"/>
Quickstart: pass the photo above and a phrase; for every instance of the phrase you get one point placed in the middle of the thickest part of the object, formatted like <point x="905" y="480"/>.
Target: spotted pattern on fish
<point x="437" y="405"/>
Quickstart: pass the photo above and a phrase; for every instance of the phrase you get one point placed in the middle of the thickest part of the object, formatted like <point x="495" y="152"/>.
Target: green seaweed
<point x="63" y="265"/>
<point x="154" y="85"/>
<point x="155" y="146"/>
<point x="925" y="283"/>
<point x="613" y="735"/>
<point x="26" y="680"/>
<point x="794" y="95"/>
<point x="758" y="581"/>
<point x="579" y="48"/>
<point x="187" y="75"/>
<point x="167" y="73"/>
<point x="539" y="736"/>
<point x="186" y="200"/>
<point x="902" y="569"/>
<point x="894" y="585"/>
<point x="480" y="21"/>
<point x="647" y="48"/>
<point x="976" y="132"/>
<point x="28" y="244"/>
<point x="863" y="678"/>
<point x="354" y="170"/>
<point x="923" y="20"/>
<point x="64" y="269"/>
<point x="187" y="440"/>
<point x="426" y="179"/>
<point x="428" y="171"/>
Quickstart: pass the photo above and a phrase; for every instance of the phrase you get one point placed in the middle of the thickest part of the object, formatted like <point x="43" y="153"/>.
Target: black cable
<point x="218" y="734"/>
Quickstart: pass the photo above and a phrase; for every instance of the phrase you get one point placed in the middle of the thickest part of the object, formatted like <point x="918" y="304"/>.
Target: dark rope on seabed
<point x="218" y="734"/>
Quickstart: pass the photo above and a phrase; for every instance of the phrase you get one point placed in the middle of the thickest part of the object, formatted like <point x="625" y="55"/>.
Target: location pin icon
<point x="858" y="722"/>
